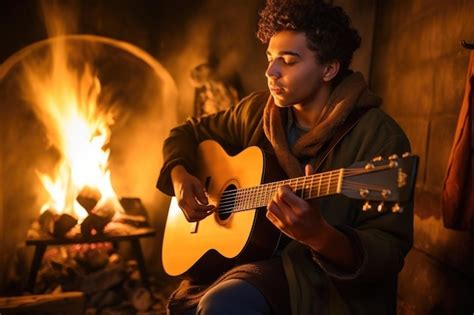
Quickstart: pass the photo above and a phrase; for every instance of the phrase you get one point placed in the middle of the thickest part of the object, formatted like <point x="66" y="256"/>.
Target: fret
<point x="247" y="198"/>
<point x="304" y="188"/>
<point x="310" y="186"/>
<point x="339" y="181"/>
<point x="241" y="199"/>
<point x="298" y="185"/>
<point x="237" y="199"/>
<point x="251" y="197"/>
<point x="274" y="189"/>
<point x="319" y="185"/>
<point x="307" y="187"/>
<point x="259" y="198"/>
<point x="265" y="196"/>
<point x="329" y="183"/>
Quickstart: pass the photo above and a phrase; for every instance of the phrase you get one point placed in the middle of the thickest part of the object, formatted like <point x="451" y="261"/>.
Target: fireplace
<point x="83" y="120"/>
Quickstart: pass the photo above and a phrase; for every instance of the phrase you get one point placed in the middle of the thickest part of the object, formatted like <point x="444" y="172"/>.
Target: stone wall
<point x="419" y="68"/>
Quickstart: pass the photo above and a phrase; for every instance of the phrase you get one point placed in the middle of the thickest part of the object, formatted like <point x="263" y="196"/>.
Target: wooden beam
<point x="71" y="303"/>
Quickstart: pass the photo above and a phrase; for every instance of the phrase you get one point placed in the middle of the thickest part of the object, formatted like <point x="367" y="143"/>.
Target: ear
<point x="331" y="69"/>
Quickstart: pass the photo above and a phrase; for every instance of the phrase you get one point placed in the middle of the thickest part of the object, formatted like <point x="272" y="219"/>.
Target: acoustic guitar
<point x="241" y="186"/>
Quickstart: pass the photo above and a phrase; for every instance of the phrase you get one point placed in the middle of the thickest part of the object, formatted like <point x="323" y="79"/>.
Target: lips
<point x="274" y="89"/>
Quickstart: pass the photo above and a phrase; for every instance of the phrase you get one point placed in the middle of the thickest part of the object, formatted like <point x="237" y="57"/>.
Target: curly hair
<point x="327" y="27"/>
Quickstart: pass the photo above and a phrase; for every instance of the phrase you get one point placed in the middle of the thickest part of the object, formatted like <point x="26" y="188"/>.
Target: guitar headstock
<point x="390" y="180"/>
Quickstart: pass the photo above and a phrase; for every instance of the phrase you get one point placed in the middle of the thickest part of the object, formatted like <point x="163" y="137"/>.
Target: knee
<point x="233" y="297"/>
<point x="215" y="301"/>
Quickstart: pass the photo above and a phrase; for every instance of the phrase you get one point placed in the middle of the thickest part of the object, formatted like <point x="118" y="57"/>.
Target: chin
<point x="280" y="102"/>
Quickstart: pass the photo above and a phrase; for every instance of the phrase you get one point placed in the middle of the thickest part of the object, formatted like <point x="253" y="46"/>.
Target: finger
<point x="200" y="194"/>
<point x="308" y="170"/>
<point x="198" y="207"/>
<point x="193" y="216"/>
<point x="272" y="209"/>
<point x="192" y="207"/>
<point x="282" y="195"/>
<point x="283" y="212"/>
<point x="288" y="197"/>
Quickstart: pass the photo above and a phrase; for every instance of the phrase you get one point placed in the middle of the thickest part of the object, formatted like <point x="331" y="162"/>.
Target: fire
<point x="65" y="96"/>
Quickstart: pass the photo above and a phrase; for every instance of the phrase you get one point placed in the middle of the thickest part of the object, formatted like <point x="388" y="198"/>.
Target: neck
<point x="308" y="113"/>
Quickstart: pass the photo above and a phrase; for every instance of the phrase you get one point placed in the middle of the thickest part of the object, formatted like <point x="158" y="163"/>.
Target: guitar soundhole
<point x="227" y="203"/>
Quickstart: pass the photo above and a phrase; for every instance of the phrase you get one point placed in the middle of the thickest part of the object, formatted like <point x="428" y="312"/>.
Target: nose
<point x="273" y="70"/>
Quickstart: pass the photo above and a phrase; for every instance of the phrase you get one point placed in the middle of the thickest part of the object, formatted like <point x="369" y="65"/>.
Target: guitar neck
<point x="306" y="187"/>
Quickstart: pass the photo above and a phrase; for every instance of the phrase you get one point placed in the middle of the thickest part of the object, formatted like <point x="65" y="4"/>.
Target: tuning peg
<point x="377" y="158"/>
<point x="393" y="164"/>
<point x="381" y="207"/>
<point x="386" y="193"/>
<point x="366" y="206"/>
<point x="396" y="208"/>
<point x="363" y="193"/>
<point x="393" y="157"/>
<point x="406" y="154"/>
<point x="369" y="166"/>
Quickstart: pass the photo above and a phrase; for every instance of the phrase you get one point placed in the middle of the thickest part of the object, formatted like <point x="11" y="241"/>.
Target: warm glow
<point x="65" y="97"/>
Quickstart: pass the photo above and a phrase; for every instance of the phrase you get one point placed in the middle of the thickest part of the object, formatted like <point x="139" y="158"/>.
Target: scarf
<point x="352" y="92"/>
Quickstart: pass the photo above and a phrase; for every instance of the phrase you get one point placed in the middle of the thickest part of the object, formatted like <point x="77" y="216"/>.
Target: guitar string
<point x="323" y="180"/>
<point x="262" y="193"/>
<point x="266" y="188"/>
<point x="232" y="210"/>
<point x="347" y="173"/>
<point x="228" y="210"/>
<point x="296" y="184"/>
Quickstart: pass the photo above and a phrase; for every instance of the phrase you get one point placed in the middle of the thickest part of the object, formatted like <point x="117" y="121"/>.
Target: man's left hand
<point x="294" y="216"/>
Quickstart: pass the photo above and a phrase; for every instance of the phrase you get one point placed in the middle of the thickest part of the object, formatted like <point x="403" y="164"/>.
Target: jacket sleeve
<point x="229" y="128"/>
<point x="381" y="240"/>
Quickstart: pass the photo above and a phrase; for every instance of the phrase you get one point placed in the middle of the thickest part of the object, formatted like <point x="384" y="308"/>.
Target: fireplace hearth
<point x="51" y="229"/>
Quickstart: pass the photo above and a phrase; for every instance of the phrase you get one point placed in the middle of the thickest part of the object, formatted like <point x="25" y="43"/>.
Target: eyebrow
<point x="285" y="52"/>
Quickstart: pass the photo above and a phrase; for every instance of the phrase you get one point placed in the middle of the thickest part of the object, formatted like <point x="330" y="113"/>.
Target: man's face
<point x="293" y="74"/>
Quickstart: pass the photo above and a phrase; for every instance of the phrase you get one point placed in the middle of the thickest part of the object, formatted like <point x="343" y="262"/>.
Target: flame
<point x="65" y="96"/>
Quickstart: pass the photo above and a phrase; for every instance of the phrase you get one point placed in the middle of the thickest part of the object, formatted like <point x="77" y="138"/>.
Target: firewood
<point x="93" y="259"/>
<point x="72" y="303"/>
<point x="134" y="207"/>
<point x="141" y="299"/>
<point x="63" y="224"/>
<point x="46" y="221"/>
<point x="102" y="280"/>
<point x="88" y="198"/>
<point x="93" y="225"/>
<point x="106" y="210"/>
<point x="102" y="299"/>
<point x="133" y="220"/>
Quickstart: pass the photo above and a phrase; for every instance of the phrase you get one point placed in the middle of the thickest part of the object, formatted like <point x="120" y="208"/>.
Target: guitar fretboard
<point x="306" y="187"/>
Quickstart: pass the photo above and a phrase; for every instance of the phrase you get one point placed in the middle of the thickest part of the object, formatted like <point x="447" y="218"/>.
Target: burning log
<point x="135" y="212"/>
<point x="63" y="224"/>
<point x="88" y="198"/>
<point x="46" y="222"/>
<point x="93" y="225"/>
<point x="93" y="259"/>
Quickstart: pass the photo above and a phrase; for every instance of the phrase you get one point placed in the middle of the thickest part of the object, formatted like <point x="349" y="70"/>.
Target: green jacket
<point x="383" y="239"/>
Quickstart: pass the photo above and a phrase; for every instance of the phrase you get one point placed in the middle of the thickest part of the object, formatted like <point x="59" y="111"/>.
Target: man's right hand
<point x="190" y="194"/>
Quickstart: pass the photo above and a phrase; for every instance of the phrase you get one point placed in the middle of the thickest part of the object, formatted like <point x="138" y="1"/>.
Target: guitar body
<point x="221" y="240"/>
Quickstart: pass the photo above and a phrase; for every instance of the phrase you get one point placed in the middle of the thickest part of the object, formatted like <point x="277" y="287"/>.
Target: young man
<point x="318" y="114"/>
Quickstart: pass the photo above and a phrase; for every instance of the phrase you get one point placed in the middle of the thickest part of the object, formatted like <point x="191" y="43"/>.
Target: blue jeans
<point x="232" y="297"/>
